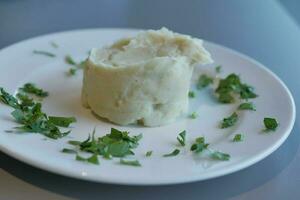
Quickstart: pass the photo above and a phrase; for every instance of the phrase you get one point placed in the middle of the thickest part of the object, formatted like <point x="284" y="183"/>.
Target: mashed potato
<point x="143" y="79"/>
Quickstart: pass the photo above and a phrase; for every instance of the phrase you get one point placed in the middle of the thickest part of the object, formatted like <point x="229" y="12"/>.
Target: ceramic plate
<point x="19" y="65"/>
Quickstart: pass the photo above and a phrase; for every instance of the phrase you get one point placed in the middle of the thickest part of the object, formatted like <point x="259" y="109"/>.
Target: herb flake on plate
<point x="229" y="121"/>
<point x="271" y="124"/>
<point x="247" y="106"/>
<point x="203" y="81"/>
<point x="31" y="88"/>
<point x="231" y="86"/>
<point x="238" y="138"/>
<point x="173" y="153"/>
<point x="181" y="138"/>
<point x="134" y="163"/>
<point x="45" y="53"/>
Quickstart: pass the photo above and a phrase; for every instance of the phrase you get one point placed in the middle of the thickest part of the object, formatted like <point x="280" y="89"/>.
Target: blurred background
<point x="267" y="30"/>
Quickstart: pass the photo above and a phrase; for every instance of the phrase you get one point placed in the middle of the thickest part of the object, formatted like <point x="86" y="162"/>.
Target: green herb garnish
<point x="192" y="94"/>
<point x="76" y="66"/>
<point x="45" y="53"/>
<point x="193" y="115"/>
<point x="70" y="60"/>
<point x="93" y="159"/>
<point x="199" y="145"/>
<point x="181" y="138"/>
<point x="229" y="121"/>
<point x="149" y="153"/>
<point x="62" y="121"/>
<point x="116" y="143"/>
<point x="238" y="138"/>
<point x="218" y="68"/>
<point x="53" y="44"/>
<point x="217" y="155"/>
<point x="71" y="151"/>
<point x="134" y="163"/>
<point x="30" y="115"/>
<point x="203" y="81"/>
<point x="173" y="153"/>
<point x="31" y="88"/>
<point x="232" y="85"/>
<point x="247" y="106"/>
<point x="271" y="124"/>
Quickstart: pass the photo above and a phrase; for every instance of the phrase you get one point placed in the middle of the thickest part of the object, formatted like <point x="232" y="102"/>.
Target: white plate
<point x="19" y="65"/>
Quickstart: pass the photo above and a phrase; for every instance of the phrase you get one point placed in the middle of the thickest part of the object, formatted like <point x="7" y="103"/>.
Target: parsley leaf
<point x="271" y="124"/>
<point x="30" y="88"/>
<point x="199" y="145"/>
<point x="53" y="44"/>
<point x="192" y="94"/>
<point x="173" y="153"/>
<point x="238" y="138"/>
<point x="62" y="121"/>
<point x="71" y="151"/>
<point x="218" y="68"/>
<point x="93" y="159"/>
<point x="45" y="53"/>
<point x="134" y="163"/>
<point x="181" y="138"/>
<point x="117" y="144"/>
<point x="30" y="115"/>
<point x="70" y="60"/>
<point x="229" y="121"/>
<point x="232" y="85"/>
<point x="203" y="81"/>
<point x="149" y="153"/>
<point x="194" y="115"/>
<point x="247" y="106"/>
<point x="217" y="155"/>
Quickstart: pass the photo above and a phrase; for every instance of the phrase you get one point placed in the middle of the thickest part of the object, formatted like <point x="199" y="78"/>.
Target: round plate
<point x="19" y="65"/>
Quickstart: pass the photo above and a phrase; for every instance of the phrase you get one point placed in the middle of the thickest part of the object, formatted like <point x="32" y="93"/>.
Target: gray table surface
<point x="264" y="30"/>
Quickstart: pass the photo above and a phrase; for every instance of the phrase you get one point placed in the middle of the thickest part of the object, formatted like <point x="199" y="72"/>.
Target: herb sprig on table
<point x="31" y="117"/>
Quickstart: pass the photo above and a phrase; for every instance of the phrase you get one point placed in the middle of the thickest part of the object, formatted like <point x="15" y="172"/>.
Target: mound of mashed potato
<point x="144" y="79"/>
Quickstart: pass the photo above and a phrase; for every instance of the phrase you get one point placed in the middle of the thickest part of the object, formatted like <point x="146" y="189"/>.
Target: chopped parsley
<point x="45" y="53"/>
<point x="70" y="60"/>
<point x="173" y="153"/>
<point x="247" y="106"/>
<point x="62" y="121"/>
<point x="238" y="138"/>
<point x="194" y="115"/>
<point x="134" y="163"/>
<point x="71" y="151"/>
<point x="93" y="159"/>
<point x="181" y="138"/>
<point x="31" y="88"/>
<point x="217" y="155"/>
<point x="31" y="117"/>
<point x="200" y="146"/>
<point x="218" y="68"/>
<point x="53" y="44"/>
<point x="231" y="86"/>
<point x="203" y="81"/>
<point x="192" y="94"/>
<point x="76" y="66"/>
<point x="271" y="124"/>
<point x="229" y="121"/>
<point x="149" y="153"/>
<point x="116" y="144"/>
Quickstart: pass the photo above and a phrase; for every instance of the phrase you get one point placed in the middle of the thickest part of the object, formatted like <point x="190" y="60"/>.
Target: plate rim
<point x="247" y="163"/>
